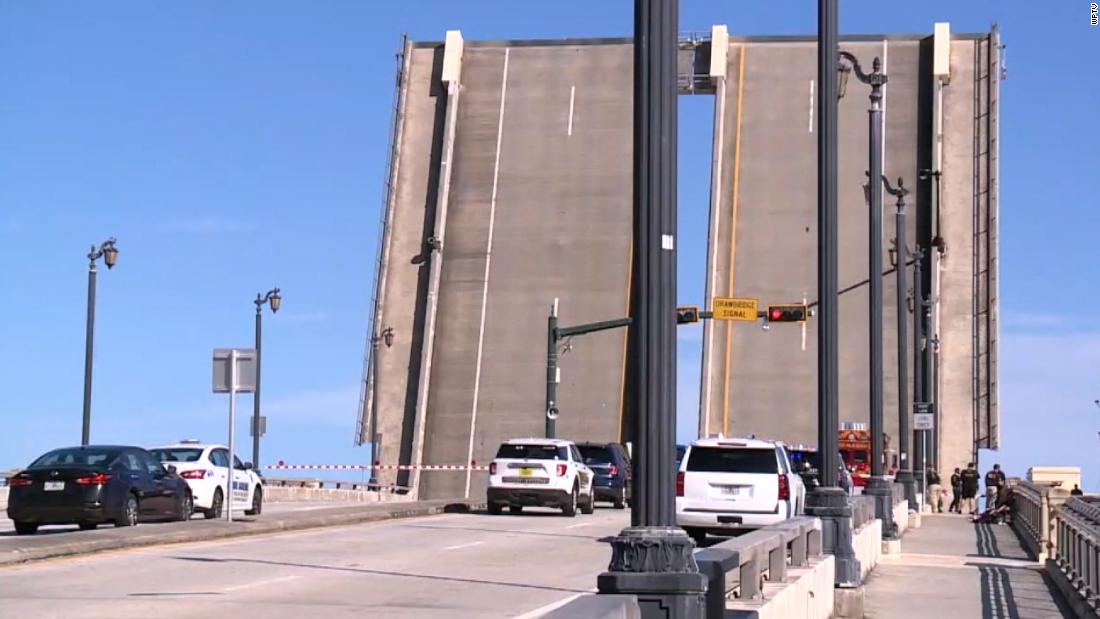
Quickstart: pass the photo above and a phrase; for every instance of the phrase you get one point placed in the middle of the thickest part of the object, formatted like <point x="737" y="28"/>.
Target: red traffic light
<point x="787" y="313"/>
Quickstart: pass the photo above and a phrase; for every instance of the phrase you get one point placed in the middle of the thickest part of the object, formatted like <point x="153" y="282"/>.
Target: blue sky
<point x="232" y="147"/>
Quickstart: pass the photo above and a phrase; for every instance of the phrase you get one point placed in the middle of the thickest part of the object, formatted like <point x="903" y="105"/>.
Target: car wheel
<point x="186" y="507"/>
<point x="25" y="528"/>
<point x="570" y="508"/>
<point x="87" y="526"/>
<point x="257" y="503"/>
<point x="589" y="506"/>
<point x="129" y="515"/>
<point x="495" y="508"/>
<point x="215" y="510"/>
<point x="620" y="501"/>
<point x="697" y="534"/>
<point x="515" y="509"/>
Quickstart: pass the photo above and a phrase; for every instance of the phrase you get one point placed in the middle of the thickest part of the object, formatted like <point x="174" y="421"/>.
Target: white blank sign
<point x="246" y="370"/>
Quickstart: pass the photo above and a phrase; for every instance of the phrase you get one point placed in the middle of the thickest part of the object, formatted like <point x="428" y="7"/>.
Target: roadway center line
<point x="261" y="583"/>
<point x="467" y="545"/>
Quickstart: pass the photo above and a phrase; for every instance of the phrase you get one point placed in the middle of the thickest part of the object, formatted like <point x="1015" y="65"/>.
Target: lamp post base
<point x="909" y="482"/>
<point x="830" y="504"/>
<point x="657" y="565"/>
<point x="881" y="490"/>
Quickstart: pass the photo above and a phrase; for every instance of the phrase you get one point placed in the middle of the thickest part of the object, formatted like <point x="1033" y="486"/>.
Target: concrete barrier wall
<point x="278" y="494"/>
<point x="3" y="497"/>
<point x="901" y="517"/>
<point x="868" y="546"/>
<point x="808" y="593"/>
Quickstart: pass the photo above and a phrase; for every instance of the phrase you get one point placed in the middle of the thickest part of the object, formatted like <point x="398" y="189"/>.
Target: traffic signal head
<point x="687" y="314"/>
<point x="787" y="313"/>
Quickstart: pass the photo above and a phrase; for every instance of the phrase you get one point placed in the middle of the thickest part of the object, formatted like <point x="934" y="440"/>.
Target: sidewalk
<point x="47" y="545"/>
<point x="952" y="568"/>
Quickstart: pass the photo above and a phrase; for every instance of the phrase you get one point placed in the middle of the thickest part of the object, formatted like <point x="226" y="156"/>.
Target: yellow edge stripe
<point x="733" y="234"/>
<point x="626" y="338"/>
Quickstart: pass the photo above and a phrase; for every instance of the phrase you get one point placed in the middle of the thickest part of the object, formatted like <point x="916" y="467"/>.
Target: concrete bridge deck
<point x="950" y="567"/>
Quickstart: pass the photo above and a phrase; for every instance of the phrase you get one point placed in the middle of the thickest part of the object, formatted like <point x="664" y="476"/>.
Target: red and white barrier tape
<point x="381" y="467"/>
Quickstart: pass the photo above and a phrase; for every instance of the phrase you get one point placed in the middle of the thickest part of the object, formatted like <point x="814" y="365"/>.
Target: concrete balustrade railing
<point x="735" y="569"/>
<point x="1075" y="563"/>
<point x="863" y="510"/>
<point x="1033" y="515"/>
<point x="300" y="482"/>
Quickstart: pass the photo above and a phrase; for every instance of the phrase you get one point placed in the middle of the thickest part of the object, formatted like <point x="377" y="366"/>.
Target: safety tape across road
<point x="380" y="467"/>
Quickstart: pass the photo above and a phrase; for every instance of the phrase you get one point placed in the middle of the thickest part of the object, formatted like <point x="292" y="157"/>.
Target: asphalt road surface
<point x="454" y="565"/>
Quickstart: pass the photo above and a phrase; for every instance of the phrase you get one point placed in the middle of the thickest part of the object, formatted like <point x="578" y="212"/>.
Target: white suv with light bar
<point x="205" y="467"/>
<point x="729" y="484"/>
<point x="540" y="472"/>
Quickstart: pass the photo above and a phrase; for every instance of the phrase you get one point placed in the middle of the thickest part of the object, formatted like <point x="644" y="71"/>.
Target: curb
<point x="200" y="531"/>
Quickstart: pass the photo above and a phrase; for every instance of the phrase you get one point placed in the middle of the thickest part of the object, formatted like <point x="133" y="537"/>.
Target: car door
<point x="164" y="487"/>
<point x="141" y="482"/>
<point x="220" y="459"/>
<point x="241" y="496"/>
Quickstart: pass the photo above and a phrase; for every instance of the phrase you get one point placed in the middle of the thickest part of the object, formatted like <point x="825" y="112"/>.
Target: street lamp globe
<point x="110" y="253"/>
<point x="276" y="300"/>
<point x="387" y="336"/>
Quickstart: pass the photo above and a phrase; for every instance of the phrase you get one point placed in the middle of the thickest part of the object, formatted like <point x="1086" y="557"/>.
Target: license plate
<point x="526" y="472"/>
<point x="53" y="485"/>
<point x="732" y="490"/>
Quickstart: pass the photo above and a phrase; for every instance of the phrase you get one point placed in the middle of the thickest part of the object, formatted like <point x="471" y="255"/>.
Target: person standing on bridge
<point x="956" y="491"/>
<point x="970" y="480"/>
<point x="994" y="482"/>
<point x="1076" y="491"/>
<point x="935" y="490"/>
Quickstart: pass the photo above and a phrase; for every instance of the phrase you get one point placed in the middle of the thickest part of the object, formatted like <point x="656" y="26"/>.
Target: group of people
<point x="965" y="485"/>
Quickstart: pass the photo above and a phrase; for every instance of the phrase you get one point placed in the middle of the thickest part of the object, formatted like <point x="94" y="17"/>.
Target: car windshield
<point x="76" y="456"/>
<point x="732" y="460"/>
<point x="595" y="454"/>
<point x="177" y="455"/>
<point x="532" y="452"/>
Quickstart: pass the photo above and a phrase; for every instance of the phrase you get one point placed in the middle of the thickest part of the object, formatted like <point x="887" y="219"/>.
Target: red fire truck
<point x="854" y="441"/>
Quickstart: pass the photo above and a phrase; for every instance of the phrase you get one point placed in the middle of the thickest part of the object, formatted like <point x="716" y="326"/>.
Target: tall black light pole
<point x="385" y="336"/>
<point x="272" y="297"/>
<point x="109" y="253"/>
<point x="918" y="362"/>
<point x="877" y="486"/>
<point x="901" y="267"/>
<point x="829" y="502"/>
<point x="653" y="557"/>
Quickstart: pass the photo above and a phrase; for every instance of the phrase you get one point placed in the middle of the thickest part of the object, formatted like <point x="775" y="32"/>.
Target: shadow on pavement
<point x="357" y="570"/>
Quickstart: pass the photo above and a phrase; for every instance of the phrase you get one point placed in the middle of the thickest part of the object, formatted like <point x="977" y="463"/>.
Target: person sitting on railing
<point x="1076" y="491"/>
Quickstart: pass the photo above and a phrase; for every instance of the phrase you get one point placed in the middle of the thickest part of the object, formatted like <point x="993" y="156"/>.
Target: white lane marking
<point x="488" y="262"/>
<point x="572" y="94"/>
<point x="579" y="525"/>
<point x="460" y="546"/>
<point x="811" y="129"/>
<point x="542" y="610"/>
<point x="261" y="583"/>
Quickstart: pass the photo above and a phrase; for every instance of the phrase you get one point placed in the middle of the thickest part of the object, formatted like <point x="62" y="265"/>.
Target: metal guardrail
<point x="738" y="566"/>
<point x="863" y="510"/>
<point x="1034" y="511"/>
<point x="1077" y="550"/>
<point x="300" y="482"/>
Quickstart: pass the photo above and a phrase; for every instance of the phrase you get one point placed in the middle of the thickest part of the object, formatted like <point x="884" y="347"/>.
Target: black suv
<point x="611" y="466"/>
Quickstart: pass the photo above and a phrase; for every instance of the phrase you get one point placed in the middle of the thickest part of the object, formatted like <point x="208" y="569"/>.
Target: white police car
<point x="205" y="467"/>
<point x="540" y="472"/>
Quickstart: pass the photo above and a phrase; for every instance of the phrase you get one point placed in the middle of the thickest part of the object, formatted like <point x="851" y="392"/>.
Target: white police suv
<point x="205" y="467"/>
<point x="730" y="484"/>
<point x="540" y="472"/>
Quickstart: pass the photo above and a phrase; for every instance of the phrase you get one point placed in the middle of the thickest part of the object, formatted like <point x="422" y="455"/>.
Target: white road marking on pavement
<point x="572" y="94"/>
<point x="463" y="546"/>
<point x="261" y="583"/>
<point x="811" y="106"/>
<point x="488" y="264"/>
<point x="542" y="610"/>
<point x="578" y="525"/>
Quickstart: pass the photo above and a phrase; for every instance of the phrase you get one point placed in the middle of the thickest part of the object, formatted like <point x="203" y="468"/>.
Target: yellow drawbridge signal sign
<point x="728" y="308"/>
